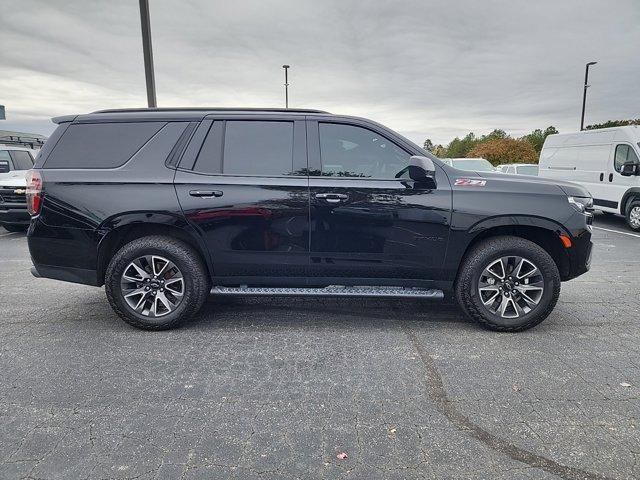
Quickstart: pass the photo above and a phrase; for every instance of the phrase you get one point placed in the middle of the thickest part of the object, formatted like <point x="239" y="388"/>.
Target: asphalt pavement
<point x="321" y="388"/>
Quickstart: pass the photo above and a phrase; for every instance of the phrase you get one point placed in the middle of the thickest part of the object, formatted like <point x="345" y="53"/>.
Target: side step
<point x="333" y="291"/>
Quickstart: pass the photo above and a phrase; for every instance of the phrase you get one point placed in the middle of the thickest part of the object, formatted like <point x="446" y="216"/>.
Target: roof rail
<point x="213" y="109"/>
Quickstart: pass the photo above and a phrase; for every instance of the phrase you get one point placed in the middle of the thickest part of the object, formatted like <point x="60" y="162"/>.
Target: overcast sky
<point x="425" y="69"/>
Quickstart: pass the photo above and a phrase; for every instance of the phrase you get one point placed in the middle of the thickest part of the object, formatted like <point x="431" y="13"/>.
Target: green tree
<point x="428" y="145"/>
<point x="537" y="137"/>
<point x="459" y="147"/>
<point x="496" y="134"/>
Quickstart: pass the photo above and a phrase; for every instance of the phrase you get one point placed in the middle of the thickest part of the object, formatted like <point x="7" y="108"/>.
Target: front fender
<point x="517" y="220"/>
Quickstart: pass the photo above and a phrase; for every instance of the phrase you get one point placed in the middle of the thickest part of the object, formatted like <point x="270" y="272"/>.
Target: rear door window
<point x="258" y="148"/>
<point x="21" y="160"/>
<point x="101" y="145"/>
<point x="247" y="147"/>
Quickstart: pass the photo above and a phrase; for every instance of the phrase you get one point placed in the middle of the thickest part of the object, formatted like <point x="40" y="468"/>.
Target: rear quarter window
<point x="22" y="160"/>
<point x="100" y="145"/>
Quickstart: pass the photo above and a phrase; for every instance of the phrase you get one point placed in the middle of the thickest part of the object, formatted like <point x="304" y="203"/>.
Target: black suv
<point x="165" y="206"/>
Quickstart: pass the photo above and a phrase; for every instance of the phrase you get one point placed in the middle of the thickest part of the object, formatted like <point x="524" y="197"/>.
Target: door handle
<point x="332" y="197"/>
<point x="611" y="177"/>
<point x="601" y="177"/>
<point x="206" y="193"/>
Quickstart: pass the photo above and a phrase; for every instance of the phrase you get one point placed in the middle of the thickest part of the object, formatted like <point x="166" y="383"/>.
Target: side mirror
<point x="422" y="170"/>
<point x="629" y="169"/>
<point x="4" y="166"/>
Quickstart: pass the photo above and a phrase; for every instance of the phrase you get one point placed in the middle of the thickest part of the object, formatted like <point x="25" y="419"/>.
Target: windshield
<point x="528" y="170"/>
<point x="476" y="165"/>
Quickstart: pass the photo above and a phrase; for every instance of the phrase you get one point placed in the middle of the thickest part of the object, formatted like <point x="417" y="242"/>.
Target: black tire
<point x="635" y="203"/>
<point x="13" y="227"/>
<point x="196" y="282"/>
<point x="486" y="252"/>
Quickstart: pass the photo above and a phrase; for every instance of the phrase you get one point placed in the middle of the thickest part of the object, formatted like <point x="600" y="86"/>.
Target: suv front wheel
<point x="508" y="284"/>
<point x="156" y="282"/>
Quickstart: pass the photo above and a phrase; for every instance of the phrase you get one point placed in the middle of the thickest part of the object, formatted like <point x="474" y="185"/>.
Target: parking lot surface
<point x="321" y="388"/>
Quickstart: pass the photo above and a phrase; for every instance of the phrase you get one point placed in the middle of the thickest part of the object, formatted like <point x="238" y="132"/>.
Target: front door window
<point x="351" y="151"/>
<point x="624" y="154"/>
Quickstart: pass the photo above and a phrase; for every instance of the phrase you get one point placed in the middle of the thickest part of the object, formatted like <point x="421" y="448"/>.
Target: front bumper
<point x="579" y="254"/>
<point x="15" y="214"/>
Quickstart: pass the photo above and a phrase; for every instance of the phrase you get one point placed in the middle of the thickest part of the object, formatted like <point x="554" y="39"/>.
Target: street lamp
<point x="584" y="93"/>
<point x="148" y="53"/>
<point x="286" y="86"/>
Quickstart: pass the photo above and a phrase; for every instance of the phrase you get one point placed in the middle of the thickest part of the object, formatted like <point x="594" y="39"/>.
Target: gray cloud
<point x="426" y="69"/>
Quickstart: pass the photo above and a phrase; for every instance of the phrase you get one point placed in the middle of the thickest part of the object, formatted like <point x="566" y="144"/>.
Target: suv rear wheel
<point x="632" y="214"/>
<point x="508" y="284"/>
<point x="156" y="282"/>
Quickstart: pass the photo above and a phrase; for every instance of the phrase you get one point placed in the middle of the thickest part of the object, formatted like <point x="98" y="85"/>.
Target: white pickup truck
<point x="14" y="163"/>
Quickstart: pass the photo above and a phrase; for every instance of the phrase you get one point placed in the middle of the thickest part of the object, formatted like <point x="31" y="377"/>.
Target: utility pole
<point x="286" y="86"/>
<point x="584" y="93"/>
<point x="148" y="53"/>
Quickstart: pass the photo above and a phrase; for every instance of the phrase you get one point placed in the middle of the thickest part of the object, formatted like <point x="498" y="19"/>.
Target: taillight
<point x="34" y="192"/>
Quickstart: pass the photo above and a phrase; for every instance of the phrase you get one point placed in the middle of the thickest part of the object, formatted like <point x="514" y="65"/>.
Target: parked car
<point x="470" y="164"/>
<point x="14" y="164"/>
<point x="165" y="206"/>
<point x="604" y="161"/>
<point x="518" y="168"/>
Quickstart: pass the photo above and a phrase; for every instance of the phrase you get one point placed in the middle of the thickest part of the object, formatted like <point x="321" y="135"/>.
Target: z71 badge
<point x="469" y="182"/>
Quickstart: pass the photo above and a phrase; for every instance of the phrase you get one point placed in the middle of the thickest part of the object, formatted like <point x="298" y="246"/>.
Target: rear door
<point x="242" y="184"/>
<point x="368" y="220"/>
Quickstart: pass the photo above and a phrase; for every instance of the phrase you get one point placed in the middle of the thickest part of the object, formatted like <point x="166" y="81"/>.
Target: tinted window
<point x="528" y="170"/>
<point x="624" y="154"/>
<point x="350" y="151"/>
<point x="4" y="155"/>
<point x="258" y="148"/>
<point x="101" y="145"/>
<point x="21" y="160"/>
<point x="210" y="156"/>
<point x="477" y="165"/>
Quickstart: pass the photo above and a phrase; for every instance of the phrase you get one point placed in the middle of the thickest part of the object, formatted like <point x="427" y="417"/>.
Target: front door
<point x="246" y="194"/>
<point x="616" y="185"/>
<point x="368" y="226"/>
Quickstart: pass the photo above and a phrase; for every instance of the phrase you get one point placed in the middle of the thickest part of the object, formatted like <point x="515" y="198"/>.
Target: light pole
<point x="148" y="53"/>
<point x="286" y="86"/>
<point x="584" y="93"/>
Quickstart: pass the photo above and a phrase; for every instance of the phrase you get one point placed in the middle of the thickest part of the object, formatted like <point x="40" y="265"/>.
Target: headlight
<point x="581" y="204"/>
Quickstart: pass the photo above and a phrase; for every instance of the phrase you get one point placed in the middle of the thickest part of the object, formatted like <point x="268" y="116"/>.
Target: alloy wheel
<point x="634" y="217"/>
<point x="511" y="286"/>
<point x="152" y="286"/>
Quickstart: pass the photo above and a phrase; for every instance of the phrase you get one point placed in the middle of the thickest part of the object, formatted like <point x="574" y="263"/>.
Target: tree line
<point x="499" y="147"/>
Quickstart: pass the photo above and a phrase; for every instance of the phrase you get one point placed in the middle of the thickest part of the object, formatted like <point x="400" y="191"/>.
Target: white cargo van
<point x="605" y="161"/>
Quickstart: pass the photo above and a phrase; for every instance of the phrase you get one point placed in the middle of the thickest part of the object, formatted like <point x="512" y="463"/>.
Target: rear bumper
<point x="66" y="274"/>
<point x="67" y="254"/>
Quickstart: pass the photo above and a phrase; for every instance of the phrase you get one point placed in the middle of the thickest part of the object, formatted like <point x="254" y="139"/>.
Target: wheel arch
<point x="541" y="231"/>
<point x="633" y="192"/>
<point x="128" y="228"/>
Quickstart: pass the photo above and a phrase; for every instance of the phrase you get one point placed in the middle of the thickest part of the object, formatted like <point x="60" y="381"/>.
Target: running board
<point x="333" y="291"/>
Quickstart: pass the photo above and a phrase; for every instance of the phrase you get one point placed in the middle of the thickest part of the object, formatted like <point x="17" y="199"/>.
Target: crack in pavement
<point x="438" y="394"/>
